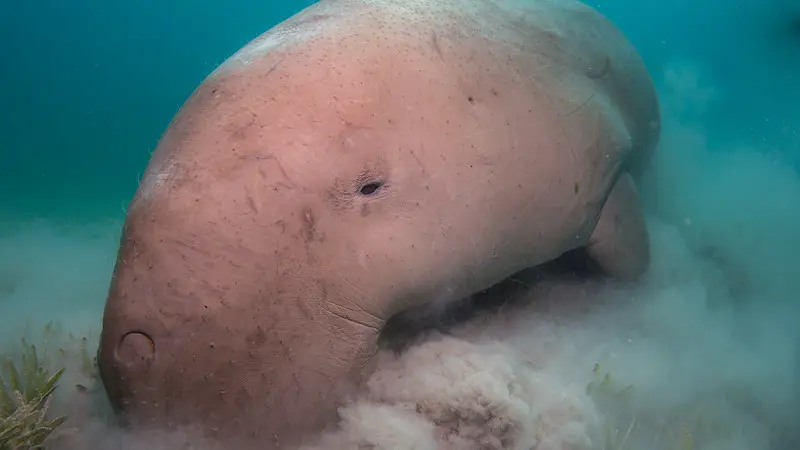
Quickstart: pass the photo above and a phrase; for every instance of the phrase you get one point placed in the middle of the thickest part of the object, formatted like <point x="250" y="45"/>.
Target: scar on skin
<point x="251" y="202"/>
<point x="436" y="46"/>
<point x="582" y="105"/>
<point x="289" y="183"/>
<point x="419" y="161"/>
<point x="309" y="228"/>
<point x="595" y="72"/>
<point x="273" y="68"/>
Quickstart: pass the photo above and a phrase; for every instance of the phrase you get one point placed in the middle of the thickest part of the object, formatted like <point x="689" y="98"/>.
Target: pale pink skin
<point x="254" y="276"/>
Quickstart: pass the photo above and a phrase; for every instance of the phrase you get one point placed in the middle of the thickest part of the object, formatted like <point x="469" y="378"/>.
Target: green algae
<point x="25" y="397"/>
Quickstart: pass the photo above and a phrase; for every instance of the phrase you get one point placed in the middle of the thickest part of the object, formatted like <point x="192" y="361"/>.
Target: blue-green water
<point x="87" y="87"/>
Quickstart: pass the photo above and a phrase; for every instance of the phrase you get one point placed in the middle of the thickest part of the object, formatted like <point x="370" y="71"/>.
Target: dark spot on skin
<point x="577" y="187"/>
<point x="257" y="338"/>
<point x="309" y="228"/>
<point x="470" y="99"/>
<point x="239" y="129"/>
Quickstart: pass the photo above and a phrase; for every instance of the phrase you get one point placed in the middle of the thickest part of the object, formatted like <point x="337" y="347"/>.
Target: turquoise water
<point x="87" y="87"/>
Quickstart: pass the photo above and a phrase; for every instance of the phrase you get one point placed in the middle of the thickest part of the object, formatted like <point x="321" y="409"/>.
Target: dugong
<point x="362" y="158"/>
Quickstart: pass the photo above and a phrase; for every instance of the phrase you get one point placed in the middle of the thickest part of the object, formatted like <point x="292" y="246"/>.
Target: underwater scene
<point x="400" y="224"/>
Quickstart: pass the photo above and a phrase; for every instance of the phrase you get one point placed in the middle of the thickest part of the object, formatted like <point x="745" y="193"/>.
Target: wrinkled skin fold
<point x="360" y="159"/>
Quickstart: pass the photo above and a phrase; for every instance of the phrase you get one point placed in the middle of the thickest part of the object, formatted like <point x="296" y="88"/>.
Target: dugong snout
<point x="219" y="351"/>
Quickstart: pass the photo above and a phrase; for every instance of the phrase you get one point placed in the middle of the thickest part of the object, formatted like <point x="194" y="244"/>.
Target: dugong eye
<point x="370" y="188"/>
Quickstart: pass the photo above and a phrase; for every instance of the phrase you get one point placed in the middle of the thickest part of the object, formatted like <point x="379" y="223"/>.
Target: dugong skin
<point x="359" y="159"/>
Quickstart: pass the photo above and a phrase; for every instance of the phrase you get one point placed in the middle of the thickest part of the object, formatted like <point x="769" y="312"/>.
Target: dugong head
<point x="280" y="223"/>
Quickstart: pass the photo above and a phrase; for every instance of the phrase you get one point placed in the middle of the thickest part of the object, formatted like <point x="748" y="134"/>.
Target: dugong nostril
<point x="136" y="349"/>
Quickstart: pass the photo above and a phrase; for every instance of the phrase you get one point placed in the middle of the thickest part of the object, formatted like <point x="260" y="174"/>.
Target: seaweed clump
<point x="25" y="397"/>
